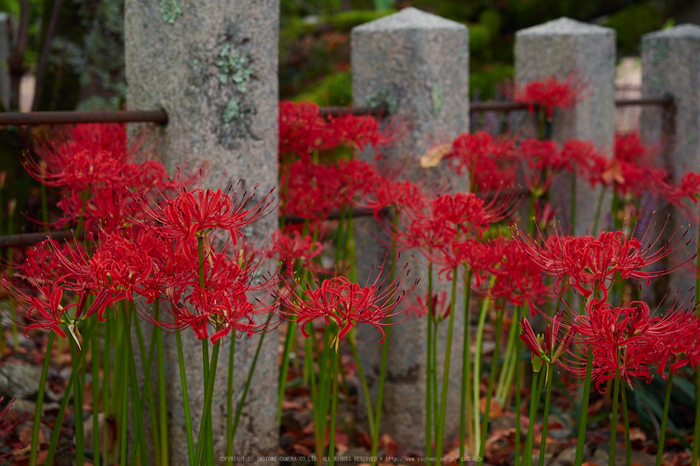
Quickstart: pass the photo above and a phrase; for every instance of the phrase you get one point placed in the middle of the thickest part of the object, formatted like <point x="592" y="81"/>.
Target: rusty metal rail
<point x="159" y="116"/>
<point x="62" y="118"/>
<point x="28" y="239"/>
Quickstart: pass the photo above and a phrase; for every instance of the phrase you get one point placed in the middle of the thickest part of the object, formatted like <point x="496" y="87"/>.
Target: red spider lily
<point x="362" y="131"/>
<point x="191" y="213"/>
<point x="544" y="348"/>
<point x="441" y="306"/>
<point x="630" y="171"/>
<point x="517" y="280"/>
<point x="294" y="248"/>
<point x="487" y="161"/>
<point x="223" y="302"/>
<point x="680" y="344"/>
<point x="621" y="338"/>
<point x="397" y="195"/>
<point x="8" y="420"/>
<point x="550" y="93"/>
<point x="303" y="130"/>
<point x="584" y="262"/>
<point x="475" y="255"/>
<point x="348" y="304"/>
<point x="311" y="191"/>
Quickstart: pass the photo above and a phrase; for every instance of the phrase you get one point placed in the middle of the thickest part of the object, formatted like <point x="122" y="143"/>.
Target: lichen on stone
<point x="235" y="66"/>
<point x="232" y="111"/>
<point x="170" y="9"/>
<point x="382" y="97"/>
<point x="437" y="98"/>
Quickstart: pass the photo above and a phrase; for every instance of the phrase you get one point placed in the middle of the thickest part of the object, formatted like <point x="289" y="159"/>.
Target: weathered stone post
<point x="418" y="63"/>
<point x="556" y="49"/>
<point x="671" y="67"/>
<point x="212" y="66"/>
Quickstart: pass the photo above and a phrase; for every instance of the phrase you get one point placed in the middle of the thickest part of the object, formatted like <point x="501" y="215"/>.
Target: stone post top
<point x="683" y="31"/>
<point x="409" y="18"/>
<point x="564" y="27"/>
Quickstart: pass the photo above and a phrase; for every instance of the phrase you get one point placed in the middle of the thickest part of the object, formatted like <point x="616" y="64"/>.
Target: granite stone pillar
<point x="212" y="66"/>
<point x="418" y="65"/>
<point x="557" y="49"/>
<point x="671" y="67"/>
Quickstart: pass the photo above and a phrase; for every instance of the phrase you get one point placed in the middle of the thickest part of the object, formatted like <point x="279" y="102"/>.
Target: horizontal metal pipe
<point x="102" y="116"/>
<point x="29" y="239"/>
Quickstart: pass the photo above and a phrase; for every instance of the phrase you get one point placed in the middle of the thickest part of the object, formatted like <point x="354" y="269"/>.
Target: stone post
<point x="418" y="64"/>
<point x="212" y="66"/>
<point x="671" y="67"/>
<point x="556" y="49"/>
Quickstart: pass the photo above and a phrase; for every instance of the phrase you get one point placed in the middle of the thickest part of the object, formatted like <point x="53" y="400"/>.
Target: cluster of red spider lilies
<point x="161" y="250"/>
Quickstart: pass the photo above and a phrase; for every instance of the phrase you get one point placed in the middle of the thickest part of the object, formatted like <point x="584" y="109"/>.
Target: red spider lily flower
<point x="488" y="162"/>
<point x="362" y="131"/>
<point x="550" y="93"/>
<point x="584" y="262"/>
<point x="475" y="255"/>
<point x="303" y="131"/>
<point x="294" y="248"/>
<point x="231" y="297"/>
<point x="679" y="345"/>
<point x="47" y="315"/>
<point x="517" y="280"/>
<point x="441" y="306"/>
<point x="544" y="347"/>
<point x="621" y="338"/>
<point x="396" y="195"/>
<point x="349" y="304"/>
<point x="630" y="171"/>
<point x="191" y="213"/>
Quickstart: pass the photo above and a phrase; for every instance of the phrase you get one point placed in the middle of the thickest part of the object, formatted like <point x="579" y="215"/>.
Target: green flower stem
<point x="230" y="394"/>
<point x="40" y="401"/>
<point x="696" y="429"/>
<point x="315" y="401"/>
<point x="440" y="440"/>
<point x="695" y="459"/>
<point x="59" y="421"/>
<point x="489" y="390"/>
<point x="77" y="406"/>
<point x="483" y="311"/>
<point x="385" y="345"/>
<point x="625" y="417"/>
<point x="598" y="212"/>
<point x="510" y="360"/>
<point x="428" y="372"/>
<point x="584" y="410"/>
<point x="239" y="410"/>
<point x="185" y="398"/>
<point x="334" y="403"/>
<point x="545" y="419"/>
<point x="289" y="339"/>
<point x="516" y="461"/>
<point x="464" y="401"/>
<point x="527" y="453"/>
<point x="147" y="395"/>
<point x="162" y="398"/>
<point x="136" y="412"/>
<point x="664" y="419"/>
<point x="106" y="376"/>
<point x="365" y="387"/>
<point x="202" y="440"/>
<point x="95" y="353"/>
<point x="613" y="418"/>
<point x="124" y="401"/>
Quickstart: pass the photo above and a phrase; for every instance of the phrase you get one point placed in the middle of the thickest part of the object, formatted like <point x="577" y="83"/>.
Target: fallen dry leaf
<point x="432" y="156"/>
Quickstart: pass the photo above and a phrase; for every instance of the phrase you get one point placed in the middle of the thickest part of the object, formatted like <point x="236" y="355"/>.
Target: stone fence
<point x="212" y="66"/>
